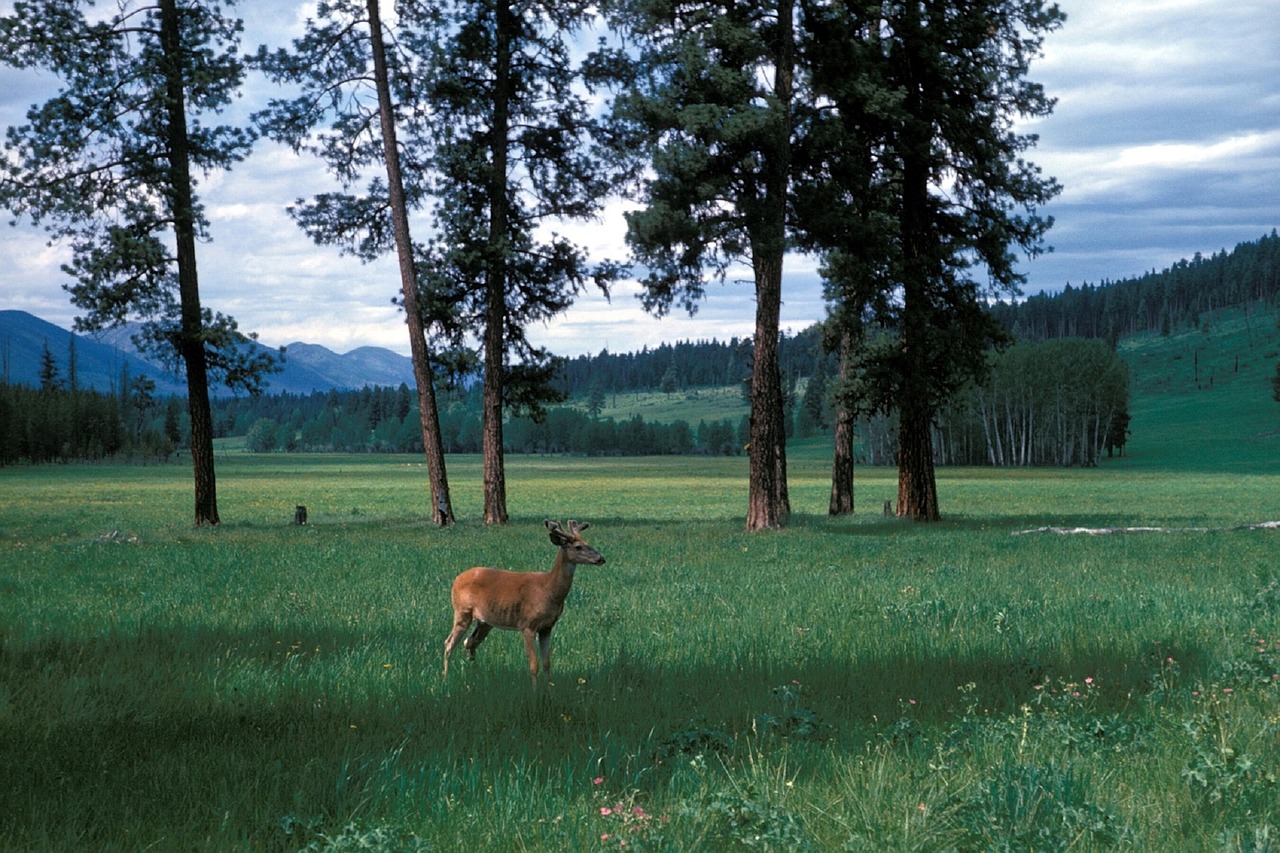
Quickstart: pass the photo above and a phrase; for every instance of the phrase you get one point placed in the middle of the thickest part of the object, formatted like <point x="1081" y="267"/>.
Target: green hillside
<point x="690" y="405"/>
<point x="1202" y="399"/>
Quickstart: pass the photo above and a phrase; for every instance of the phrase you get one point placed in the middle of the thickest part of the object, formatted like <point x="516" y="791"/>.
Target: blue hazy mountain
<point x="101" y="360"/>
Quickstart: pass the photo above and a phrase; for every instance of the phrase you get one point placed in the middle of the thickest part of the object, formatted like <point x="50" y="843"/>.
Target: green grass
<point x="858" y="683"/>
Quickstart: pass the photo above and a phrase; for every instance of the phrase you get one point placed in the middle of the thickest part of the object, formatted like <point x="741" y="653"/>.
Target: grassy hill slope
<point x="1201" y="399"/>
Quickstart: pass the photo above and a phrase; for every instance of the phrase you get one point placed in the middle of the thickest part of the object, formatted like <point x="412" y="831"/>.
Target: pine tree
<point x="715" y="108"/>
<point x="925" y="98"/>
<point x="516" y="154"/>
<point x="370" y="128"/>
<point x="108" y="162"/>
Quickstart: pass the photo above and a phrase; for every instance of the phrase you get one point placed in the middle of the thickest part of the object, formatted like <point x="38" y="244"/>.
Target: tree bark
<point x="191" y="337"/>
<point x="495" y="477"/>
<point x="842" y="458"/>
<point x="917" y="484"/>
<point x="767" y="500"/>
<point x="428" y="412"/>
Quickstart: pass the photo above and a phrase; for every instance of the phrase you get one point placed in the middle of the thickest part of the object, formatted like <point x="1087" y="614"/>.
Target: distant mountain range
<point x="100" y="361"/>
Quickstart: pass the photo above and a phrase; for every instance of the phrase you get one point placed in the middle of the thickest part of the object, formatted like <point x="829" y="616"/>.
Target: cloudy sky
<point x="1166" y="138"/>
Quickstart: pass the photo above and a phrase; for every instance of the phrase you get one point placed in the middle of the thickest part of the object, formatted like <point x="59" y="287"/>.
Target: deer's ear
<point x="558" y="537"/>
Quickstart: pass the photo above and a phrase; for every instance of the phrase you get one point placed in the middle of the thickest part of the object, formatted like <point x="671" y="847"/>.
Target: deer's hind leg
<point x="461" y="622"/>
<point x="477" y="637"/>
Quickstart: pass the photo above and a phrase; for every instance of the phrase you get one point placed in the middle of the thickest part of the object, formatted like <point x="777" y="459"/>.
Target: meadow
<point x="843" y="684"/>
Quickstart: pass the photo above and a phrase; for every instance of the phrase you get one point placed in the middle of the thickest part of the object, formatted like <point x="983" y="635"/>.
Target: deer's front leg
<point x="531" y="651"/>
<point x="544" y="646"/>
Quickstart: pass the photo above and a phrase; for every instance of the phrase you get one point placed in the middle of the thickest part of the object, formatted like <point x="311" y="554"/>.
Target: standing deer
<point x="528" y="602"/>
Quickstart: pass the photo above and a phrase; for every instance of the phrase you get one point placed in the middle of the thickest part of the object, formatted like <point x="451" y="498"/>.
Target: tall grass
<point x="850" y="683"/>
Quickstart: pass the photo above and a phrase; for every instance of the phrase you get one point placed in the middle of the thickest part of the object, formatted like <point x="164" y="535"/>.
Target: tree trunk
<point x="428" y="413"/>
<point x="842" y="458"/>
<point x="191" y="338"/>
<point x="917" y="485"/>
<point x="768" y="501"/>
<point x="495" y="322"/>
<point x="917" y="488"/>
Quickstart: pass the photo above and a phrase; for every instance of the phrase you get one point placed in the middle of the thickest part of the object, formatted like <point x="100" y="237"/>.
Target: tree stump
<point x="299" y="514"/>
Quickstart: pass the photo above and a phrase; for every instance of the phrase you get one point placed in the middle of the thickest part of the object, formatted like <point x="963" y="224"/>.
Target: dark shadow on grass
<point x="204" y="737"/>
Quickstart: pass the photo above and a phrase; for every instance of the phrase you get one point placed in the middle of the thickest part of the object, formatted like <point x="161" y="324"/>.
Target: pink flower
<point x="605" y="837"/>
<point x="599" y="780"/>
<point x="638" y="812"/>
<point x="606" y="811"/>
<point x="1089" y="680"/>
<point x="1227" y="690"/>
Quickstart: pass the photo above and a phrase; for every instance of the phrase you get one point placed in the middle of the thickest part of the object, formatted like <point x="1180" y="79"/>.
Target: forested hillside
<point x="1156" y="301"/>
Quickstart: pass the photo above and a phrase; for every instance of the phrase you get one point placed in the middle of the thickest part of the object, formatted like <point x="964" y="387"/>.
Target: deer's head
<point x="570" y="542"/>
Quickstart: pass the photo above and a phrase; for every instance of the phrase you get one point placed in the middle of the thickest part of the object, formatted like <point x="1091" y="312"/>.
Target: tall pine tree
<point x="715" y="106"/>
<point x="108" y="164"/>
<point x="374" y="135"/>
<point x="924" y="98"/>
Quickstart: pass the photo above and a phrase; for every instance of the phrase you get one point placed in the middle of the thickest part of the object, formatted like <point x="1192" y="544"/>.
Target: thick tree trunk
<point x="495" y="345"/>
<point x="191" y="342"/>
<point x="768" y="501"/>
<point x="842" y="458"/>
<point x="428" y="413"/>
<point x="917" y="487"/>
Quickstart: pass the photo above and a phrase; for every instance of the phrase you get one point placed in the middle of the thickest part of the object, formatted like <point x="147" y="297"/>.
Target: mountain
<point x="99" y="365"/>
<point x="356" y="369"/>
<point x="100" y="360"/>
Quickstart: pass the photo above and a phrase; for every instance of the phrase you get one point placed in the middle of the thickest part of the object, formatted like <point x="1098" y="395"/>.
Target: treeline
<point x="58" y="424"/>
<point x="685" y="364"/>
<point x="1059" y="403"/>
<point x="1155" y="302"/>
<point x="385" y="420"/>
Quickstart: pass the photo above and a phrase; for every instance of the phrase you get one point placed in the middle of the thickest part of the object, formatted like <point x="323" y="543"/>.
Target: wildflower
<point x="605" y="837"/>
<point x="599" y="780"/>
<point x="638" y="812"/>
<point x="605" y="811"/>
<point x="1089" y="680"/>
<point x="1227" y="690"/>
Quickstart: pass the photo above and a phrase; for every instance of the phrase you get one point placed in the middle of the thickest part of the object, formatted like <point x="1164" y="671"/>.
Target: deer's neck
<point x="562" y="575"/>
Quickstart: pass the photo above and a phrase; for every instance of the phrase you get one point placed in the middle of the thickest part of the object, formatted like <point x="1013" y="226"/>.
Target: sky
<point x="1165" y="137"/>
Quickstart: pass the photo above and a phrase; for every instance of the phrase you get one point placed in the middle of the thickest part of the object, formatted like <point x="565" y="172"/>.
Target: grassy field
<point x="859" y="684"/>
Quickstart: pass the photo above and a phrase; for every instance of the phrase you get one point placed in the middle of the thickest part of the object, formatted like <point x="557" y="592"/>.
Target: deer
<point x="528" y="602"/>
